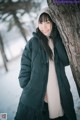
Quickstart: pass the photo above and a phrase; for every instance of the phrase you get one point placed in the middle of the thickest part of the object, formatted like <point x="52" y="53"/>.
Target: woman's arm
<point x="25" y="71"/>
<point x="62" y="52"/>
<point x="64" y="58"/>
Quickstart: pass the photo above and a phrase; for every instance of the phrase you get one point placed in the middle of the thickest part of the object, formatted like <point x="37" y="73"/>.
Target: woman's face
<point x="45" y="27"/>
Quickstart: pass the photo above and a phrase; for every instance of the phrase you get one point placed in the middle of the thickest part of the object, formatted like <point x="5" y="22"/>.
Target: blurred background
<point x="17" y="22"/>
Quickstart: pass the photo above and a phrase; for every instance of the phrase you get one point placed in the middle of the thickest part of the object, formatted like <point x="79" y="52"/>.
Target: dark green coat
<point x="33" y="75"/>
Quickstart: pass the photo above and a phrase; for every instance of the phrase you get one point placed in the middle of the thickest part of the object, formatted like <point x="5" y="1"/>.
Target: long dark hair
<point x="43" y="38"/>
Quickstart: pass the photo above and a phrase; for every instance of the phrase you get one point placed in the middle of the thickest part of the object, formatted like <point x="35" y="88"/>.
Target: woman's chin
<point x="47" y="35"/>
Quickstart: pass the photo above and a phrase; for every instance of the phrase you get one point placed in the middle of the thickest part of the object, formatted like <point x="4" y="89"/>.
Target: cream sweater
<point x="52" y="96"/>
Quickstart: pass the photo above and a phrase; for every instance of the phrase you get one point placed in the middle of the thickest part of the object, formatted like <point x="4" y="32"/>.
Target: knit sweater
<point x="52" y="96"/>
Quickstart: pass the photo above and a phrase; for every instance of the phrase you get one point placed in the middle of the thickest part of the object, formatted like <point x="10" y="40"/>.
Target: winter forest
<point x="17" y="22"/>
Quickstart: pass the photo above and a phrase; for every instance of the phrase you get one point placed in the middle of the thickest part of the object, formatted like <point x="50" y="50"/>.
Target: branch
<point x="13" y="6"/>
<point x="19" y="25"/>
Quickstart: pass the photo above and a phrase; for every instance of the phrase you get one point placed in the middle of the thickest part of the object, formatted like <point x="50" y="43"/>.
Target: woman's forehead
<point x="44" y="17"/>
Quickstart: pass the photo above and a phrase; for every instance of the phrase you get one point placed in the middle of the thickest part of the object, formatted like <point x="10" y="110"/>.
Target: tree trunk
<point x="3" y="54"/>
<point x="19" y="25"/>
<point x="67" y="19"/>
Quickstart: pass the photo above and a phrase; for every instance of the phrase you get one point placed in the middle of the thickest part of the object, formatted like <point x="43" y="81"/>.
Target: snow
<point x="76" y="97"/>
<point x="10" y="90"/>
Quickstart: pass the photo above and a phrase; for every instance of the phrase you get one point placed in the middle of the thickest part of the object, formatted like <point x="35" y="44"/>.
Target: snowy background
<point x="10" y="90"/>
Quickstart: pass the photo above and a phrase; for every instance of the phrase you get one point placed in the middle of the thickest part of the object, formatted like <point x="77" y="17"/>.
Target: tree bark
<point x="67" y="19"/>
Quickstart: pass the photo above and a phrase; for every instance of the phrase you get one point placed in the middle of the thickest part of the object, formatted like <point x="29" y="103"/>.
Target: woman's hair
<point x="44" y="17"/>
<point x="44" y="39"/>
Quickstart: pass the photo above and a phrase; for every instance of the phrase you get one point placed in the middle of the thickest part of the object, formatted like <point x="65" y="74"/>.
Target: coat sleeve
<point x="62" y="52"/>
<point x="25" y="71"/>
<point x="64" y="58"/>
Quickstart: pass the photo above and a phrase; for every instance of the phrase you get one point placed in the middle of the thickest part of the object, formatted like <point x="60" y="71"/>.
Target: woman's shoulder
<point x="33" y="43"/>
<point x="33" y="40"/>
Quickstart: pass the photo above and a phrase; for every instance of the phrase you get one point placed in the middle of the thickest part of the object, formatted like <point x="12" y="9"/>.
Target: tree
<point x="14" y="10"/>
<point x="10" y="7"/>
<point x="67" y="19"/>
<point x="3" y="53"/>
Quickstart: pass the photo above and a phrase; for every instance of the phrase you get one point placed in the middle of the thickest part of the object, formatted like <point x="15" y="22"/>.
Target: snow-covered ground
<point x="10" y="90"/>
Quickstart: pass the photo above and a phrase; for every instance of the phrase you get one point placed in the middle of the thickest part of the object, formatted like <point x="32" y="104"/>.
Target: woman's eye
<point x="48" y="21"/>
<point x="40" y="22"/>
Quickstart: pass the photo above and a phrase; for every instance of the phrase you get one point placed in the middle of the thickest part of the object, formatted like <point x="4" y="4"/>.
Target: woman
<point x="46" y="92"/>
